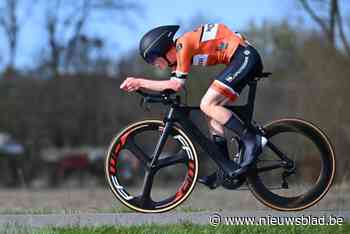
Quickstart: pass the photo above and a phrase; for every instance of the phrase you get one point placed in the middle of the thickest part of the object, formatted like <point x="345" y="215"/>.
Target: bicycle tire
<point x="323" y="183"/>
<point x="183" y="192"/>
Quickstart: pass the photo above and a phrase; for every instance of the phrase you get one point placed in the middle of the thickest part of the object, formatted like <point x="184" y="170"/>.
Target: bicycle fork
<point x="147" y="183"/>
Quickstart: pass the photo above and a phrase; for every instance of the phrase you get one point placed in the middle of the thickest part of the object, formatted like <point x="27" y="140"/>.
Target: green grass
<point x="182" y="228"/>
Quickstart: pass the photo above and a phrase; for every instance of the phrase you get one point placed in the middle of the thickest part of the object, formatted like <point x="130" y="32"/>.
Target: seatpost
<point x="251" y="99"/>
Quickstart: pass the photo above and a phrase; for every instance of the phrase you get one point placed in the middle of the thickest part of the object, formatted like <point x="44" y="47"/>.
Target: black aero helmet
<point x="157" y="42"/>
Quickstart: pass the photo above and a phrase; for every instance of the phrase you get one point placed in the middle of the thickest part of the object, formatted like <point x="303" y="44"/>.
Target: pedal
<point x="233" y="183"/>
<point x="212" y="181"/>
<point x="205" y="182"/>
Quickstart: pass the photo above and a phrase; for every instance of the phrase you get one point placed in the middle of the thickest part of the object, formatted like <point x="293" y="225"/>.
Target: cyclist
<point x="209" y="44"/>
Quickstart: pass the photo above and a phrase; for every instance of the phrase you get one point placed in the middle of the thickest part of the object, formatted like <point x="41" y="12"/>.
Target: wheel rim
<point x="323" y="181"/>
<point x="146" y="202"/>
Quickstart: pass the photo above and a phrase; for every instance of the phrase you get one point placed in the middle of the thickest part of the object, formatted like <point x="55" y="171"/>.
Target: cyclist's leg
<point x="210" y="101"/>
<point x="211" y="105"/>
<point x="245" y="64"/>
<point x="216" y="131"/>
<point x="215" y="128"/>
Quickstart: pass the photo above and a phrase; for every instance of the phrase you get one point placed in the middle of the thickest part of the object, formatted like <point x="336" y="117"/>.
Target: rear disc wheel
<point x="303" y="182"/>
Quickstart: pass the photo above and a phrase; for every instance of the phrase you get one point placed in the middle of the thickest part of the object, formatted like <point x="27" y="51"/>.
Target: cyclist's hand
<point x="130" y="84"/>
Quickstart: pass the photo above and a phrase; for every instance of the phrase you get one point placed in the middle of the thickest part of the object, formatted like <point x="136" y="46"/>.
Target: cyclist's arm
<point x="132" y="84"/>
<point x="176" y="82"/>
<point x="160" y="85"/>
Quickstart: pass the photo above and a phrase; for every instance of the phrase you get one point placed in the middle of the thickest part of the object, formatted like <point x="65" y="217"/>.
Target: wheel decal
<point x="187" y="183"/>
<point x="112" y="170"/>
<point x="123" y="138"/>
<point x="117" y="149"/>
<point x="121" y="189"/>
<point x="185" y="146"/>
<point x="133" y="202"/>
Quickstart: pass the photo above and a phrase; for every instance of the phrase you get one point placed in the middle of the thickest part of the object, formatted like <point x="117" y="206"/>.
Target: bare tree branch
<point x="9" y="23"/>
<point x="65" y="28"/>
<point x="115" y="5"/>
<point x="343" y="37"/>
<point x="77" y="31"/>
<point x="55" y="50"/>
<point x="4" y="24"/>
<point x="330" y="25"/>
<point x="315" y="17"/>
<point x="332" y="19"/>
<point x="328" y="28"/>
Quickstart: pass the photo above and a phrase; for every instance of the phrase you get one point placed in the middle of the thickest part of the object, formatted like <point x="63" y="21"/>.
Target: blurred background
<point x="62" y="61"/>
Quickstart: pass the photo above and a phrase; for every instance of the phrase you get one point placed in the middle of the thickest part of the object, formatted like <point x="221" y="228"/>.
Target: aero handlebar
<point x="166" y="97"/>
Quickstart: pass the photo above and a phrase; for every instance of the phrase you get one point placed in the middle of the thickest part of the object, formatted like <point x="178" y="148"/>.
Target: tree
<point x="89" y="57"/>
<point x="9" y="24"/>
<point x="331" y="22"/>
<point x="65" y="21"/>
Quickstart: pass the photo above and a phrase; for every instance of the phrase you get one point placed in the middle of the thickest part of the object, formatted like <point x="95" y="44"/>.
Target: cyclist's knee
<point x="215" y="128"/>
<point x="210" y="101"/>
<point x="206" y="105"/>
<point x="203" y="105"/>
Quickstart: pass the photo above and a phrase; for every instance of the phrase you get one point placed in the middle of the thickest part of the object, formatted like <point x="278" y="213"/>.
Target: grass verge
<point x="182" y="228"/>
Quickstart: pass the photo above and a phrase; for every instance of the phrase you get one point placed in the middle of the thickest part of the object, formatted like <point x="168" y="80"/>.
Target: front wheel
<point x="296" y="168"/>
<point x="145" y="188"/>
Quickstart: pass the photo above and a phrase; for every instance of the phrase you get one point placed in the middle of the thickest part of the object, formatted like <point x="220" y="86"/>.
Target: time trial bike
<point x="294" y="172"/>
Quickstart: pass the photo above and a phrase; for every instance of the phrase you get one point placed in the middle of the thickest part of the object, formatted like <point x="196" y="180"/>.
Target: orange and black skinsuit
<point x="212" y="44"/>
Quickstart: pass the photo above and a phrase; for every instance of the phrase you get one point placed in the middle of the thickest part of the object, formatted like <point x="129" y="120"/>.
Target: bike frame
<point x="180" y="114"/>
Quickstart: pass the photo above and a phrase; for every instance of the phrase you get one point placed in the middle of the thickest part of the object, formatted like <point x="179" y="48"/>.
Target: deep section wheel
<point x="296" y="168"/>
<point x="148" y="189"/>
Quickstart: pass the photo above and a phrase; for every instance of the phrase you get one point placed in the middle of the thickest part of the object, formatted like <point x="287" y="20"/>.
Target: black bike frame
<point x="180" y="114"/>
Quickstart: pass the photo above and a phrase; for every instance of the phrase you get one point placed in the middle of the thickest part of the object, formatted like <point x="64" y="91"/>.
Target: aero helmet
<point x="157" y="42"/>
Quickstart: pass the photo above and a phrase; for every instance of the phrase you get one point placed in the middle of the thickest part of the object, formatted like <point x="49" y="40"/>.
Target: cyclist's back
<point x="209" y="44"/>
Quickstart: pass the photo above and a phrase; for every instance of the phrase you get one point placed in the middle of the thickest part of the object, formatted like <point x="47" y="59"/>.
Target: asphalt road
<point x="172" y="218"/>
